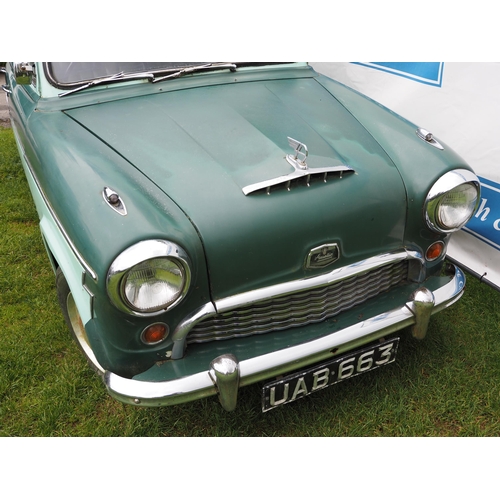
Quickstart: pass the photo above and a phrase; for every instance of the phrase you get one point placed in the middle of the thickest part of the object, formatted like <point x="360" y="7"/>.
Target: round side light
<point x="435" y="251"/>
<point x="155" y="333"/>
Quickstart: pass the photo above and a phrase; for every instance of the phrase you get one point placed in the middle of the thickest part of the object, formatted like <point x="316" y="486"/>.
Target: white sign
<point x="460" y="104"/>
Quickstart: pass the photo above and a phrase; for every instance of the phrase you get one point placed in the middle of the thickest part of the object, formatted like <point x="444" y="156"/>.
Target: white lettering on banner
<point x="485" y="224"/>
<point x="482" y="211"/>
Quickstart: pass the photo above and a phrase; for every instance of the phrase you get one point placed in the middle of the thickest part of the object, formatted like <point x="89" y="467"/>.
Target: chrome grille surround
<point x="302" y="305"/>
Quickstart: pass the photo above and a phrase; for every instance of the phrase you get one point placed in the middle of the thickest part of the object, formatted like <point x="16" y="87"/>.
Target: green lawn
<point x="446" y="385"/>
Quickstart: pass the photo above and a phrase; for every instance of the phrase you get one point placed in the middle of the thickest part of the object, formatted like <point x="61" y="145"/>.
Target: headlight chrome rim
<point x="138" y="254"/>
<point x="441" y="188"/>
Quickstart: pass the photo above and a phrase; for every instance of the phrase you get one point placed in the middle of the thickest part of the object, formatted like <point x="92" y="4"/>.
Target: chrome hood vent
<point x="301" y="175"/>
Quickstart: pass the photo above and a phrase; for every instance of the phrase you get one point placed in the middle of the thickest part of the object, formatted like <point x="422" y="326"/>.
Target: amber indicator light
<point x="155" y="333"/>
<point x="435" y="251"/>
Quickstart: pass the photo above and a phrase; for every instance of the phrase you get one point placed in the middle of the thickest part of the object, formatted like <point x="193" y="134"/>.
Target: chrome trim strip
<point x="274" y="291"/>
<point x="78" y="255"/>
<point x="92" y="300"/>
<point x="183" y="328"/>
<point x="263" y="367"/>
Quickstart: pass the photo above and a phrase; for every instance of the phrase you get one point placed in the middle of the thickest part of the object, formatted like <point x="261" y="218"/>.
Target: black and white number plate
<point x="298" y="385"/>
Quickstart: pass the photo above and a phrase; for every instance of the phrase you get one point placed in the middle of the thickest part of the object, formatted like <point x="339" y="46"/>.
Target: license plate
<point x="301" y="384"/>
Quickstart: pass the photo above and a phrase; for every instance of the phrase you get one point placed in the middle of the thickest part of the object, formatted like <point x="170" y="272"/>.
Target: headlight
<point x="149" y="278"/>
<point x="452" y="201"/>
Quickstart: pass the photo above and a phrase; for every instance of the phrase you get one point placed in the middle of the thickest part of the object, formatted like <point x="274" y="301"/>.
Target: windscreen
<point x="67" y="73"/>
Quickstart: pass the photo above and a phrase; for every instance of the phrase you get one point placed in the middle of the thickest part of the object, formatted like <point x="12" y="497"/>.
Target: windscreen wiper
<point x="111" y="79"/>
<point x="149" y="76"/>
<point x="194" y="69"/>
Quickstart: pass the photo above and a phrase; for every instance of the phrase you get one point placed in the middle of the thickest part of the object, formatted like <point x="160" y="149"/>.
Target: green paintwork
<point x="179" y="154"/>
<point x="202" y="146"/>
<point x="57" y="245"/>
<point x="420" y="164"/>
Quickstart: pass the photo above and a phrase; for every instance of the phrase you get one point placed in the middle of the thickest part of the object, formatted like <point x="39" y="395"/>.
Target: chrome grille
<point x="300" y="308"/>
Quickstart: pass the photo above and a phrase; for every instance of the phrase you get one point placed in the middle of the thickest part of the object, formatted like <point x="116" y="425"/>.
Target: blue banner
<point x="485" y="225"/>
<point x="429" y="73"/>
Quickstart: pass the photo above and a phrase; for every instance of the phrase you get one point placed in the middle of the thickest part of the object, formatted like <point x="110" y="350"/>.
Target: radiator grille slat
<point x="301" y="308"/>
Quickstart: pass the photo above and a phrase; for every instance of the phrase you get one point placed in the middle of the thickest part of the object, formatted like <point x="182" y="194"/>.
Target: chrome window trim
<point x="141" y="252"/>
<point x="75" y="251"/>
<point x="444" y="184"/>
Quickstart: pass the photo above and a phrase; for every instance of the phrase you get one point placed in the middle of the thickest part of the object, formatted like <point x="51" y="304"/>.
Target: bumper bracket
<point x="225" y="373"/>
<point x="422" y="303"/>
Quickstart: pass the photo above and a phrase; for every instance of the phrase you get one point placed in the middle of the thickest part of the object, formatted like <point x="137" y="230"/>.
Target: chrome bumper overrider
<point x="225" y="374"/>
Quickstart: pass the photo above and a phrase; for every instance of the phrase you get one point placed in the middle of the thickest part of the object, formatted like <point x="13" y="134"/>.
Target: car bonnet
<point x="202" y="146"/>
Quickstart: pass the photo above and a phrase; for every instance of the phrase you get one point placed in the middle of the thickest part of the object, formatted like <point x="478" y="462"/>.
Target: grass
<point x="446" y="385"/>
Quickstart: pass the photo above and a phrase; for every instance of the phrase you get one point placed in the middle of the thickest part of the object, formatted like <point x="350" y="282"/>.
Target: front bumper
<point x="225" y="374"/>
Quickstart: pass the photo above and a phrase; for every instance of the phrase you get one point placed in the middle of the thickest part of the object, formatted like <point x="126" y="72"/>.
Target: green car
<point x="215" y="225"/>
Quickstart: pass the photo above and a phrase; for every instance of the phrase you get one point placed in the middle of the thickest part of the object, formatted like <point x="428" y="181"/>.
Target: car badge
<point x="322" y="256"/>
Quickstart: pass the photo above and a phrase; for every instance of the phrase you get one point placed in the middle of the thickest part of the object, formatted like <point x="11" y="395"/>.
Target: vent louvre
<point x="300" y="177"/>
<point x="304" y="181"/>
